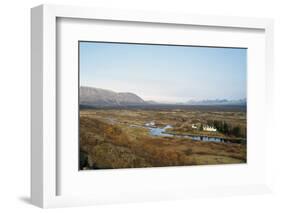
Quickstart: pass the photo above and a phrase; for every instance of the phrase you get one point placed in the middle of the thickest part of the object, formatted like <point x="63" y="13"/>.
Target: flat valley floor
<point x="158" y="137"/>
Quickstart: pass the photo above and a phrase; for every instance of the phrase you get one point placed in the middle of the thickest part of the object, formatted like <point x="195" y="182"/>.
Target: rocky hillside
<point x="101" y="97"/>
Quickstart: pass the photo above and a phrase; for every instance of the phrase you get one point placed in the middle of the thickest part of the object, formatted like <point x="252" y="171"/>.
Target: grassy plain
<point x="118" y="138"/>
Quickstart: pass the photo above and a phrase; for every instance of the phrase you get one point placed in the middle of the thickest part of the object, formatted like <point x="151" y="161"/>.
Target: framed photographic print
<point x="149" y="106"/>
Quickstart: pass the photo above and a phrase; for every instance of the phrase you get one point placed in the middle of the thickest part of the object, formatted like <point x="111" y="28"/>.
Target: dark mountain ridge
<point x="101" y="97"/>
<point x="96" y="97"/>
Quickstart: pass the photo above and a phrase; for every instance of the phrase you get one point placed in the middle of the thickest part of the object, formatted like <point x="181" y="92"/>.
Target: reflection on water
<point x="157" y="131"/>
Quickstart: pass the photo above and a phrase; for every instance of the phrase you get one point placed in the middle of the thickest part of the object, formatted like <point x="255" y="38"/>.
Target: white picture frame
<point x="44" y="150"/>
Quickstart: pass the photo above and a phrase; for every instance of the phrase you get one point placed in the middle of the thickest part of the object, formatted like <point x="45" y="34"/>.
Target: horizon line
<point x="171" y="102"/>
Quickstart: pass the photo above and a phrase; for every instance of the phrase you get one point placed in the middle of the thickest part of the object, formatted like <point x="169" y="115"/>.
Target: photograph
<point x="161" y="105"/>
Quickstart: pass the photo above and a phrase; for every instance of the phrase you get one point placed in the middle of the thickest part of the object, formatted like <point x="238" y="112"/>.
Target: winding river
<point x="157" y="131"/>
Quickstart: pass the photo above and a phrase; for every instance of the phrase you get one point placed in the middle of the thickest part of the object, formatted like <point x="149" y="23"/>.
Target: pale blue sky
<point x="165" y="73"/>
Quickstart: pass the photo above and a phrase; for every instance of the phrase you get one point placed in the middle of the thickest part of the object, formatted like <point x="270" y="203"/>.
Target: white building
<point x="193" y="126"/>
<point x="209" y="128"/>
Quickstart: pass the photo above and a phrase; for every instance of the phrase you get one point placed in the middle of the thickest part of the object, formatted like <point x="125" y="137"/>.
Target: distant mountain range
<point x="90" y="96"/>
<point x="217" y="102"/>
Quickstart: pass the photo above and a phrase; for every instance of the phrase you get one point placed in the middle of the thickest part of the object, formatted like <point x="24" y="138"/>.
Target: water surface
<point x="158" y="131"/>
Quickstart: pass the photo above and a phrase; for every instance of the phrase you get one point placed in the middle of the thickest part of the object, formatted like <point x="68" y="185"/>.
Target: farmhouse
<point x="193" y="126"/>
<point x="209" y="128"/>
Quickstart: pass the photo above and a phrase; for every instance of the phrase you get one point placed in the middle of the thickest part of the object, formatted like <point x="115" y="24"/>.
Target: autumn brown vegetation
<point x="117" y="139"/>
